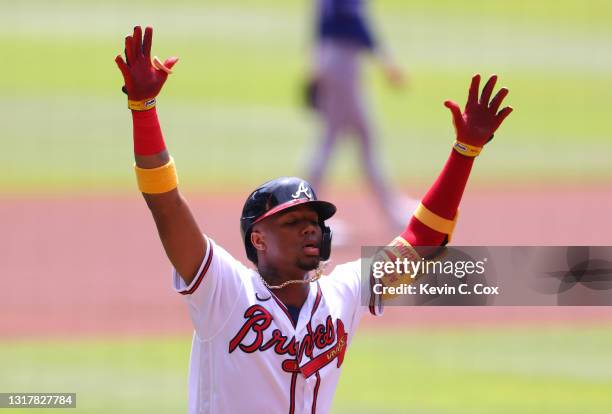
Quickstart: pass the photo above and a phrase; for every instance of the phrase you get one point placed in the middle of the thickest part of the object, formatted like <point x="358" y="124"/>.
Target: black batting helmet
<point x="277" y="195"/>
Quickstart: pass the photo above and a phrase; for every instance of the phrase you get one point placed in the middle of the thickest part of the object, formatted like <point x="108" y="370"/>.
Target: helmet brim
<point x="324" y="209"/>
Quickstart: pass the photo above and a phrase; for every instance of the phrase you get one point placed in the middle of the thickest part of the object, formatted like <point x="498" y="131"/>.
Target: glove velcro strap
<point x="404" y="248"/>
<point x="143" y="105"/>
<point x="435" y="222"/>
<point x="157" y="180"/>
<point x="398" y="249"/>
<point x="466" y="149"/>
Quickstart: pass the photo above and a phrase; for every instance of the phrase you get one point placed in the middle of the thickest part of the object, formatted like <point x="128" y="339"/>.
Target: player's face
<point x="293" y="238"/>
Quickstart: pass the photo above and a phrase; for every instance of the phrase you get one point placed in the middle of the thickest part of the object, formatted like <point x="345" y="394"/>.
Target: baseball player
<point x="272" y="337"/>
<point x="343" y="37"/>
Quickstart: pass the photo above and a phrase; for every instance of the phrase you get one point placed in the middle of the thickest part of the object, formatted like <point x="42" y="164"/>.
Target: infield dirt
<point x="74" y="266"/>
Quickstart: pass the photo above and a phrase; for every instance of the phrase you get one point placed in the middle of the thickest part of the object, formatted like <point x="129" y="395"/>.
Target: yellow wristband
<point x="466" y="149"/>
<point x="143" y="105"/>
<point x="157" y="180"/>
<point x="435" y="222"/>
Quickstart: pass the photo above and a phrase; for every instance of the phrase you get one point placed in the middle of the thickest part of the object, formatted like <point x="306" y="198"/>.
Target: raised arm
<point x="144" y="78"/>
<point x="434" y="219"/>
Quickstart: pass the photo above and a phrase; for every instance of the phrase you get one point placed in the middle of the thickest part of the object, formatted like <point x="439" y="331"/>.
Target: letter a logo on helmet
<point x="302" y="189"/>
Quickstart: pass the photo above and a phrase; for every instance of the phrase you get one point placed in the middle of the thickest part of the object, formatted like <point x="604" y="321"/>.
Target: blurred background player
<point x="334" y="89"/>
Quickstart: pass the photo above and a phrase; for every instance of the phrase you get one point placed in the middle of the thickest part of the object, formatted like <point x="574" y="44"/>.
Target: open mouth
<point x="311" y="249"/>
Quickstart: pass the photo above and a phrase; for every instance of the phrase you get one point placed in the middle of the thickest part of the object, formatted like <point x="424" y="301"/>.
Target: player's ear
<point x="258" y="240"/>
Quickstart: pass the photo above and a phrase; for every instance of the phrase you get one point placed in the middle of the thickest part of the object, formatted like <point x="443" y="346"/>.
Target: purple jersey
<point x="344" y="20"/>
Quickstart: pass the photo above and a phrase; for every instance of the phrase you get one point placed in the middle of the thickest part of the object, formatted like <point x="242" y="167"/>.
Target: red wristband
<point x="148" y="137"/>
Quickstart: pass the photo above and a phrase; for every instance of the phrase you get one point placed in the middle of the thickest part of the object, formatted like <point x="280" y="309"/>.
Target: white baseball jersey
<point x="248" y="357"/>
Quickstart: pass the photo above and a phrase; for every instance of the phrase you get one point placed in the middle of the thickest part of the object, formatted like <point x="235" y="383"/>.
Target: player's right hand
<point x="143" y="77"/>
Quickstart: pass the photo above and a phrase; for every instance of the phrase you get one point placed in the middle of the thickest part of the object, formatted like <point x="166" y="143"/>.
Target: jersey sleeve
<point x="353" y="289"/>
<point x="368" y="299"/>
<point x="212" y="295"/>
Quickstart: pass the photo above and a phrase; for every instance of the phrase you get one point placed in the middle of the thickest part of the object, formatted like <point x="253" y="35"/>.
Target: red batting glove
<point x="480" y="119"/>
<point x="143" y="78"/>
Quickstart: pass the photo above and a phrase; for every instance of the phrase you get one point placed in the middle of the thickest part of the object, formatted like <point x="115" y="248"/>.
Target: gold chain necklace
<point x="317" y="275"/>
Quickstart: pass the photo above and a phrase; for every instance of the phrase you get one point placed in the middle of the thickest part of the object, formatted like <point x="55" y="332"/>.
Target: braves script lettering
<point x="258" y="320"/>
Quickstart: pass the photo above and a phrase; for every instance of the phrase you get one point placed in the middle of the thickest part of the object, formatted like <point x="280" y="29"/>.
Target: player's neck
<point x="292" y="294"/>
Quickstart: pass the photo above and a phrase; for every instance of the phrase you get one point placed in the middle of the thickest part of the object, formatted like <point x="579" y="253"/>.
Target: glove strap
<point x="157" y="180"/>
<point x="466" y="149"/>
<point x="143" y="105"/>
<point x="435" y="222"/>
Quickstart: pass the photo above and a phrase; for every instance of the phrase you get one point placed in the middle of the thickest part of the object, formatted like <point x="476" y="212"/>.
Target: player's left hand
<point x="395" y="75"/>
<point x="143" y="77"/>
<point x="481" y="118"/>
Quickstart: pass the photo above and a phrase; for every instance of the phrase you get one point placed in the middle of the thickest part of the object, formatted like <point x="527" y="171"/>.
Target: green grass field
<point x="510" y="371"/>
<point x="234" y="100"/>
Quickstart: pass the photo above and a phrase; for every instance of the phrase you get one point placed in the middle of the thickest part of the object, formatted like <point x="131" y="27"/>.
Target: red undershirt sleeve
<point x="442" y="199"/>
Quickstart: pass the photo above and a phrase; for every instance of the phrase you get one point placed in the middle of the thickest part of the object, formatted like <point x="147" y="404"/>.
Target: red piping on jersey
<point x="283" y="308"/>
<point x="372" y="303"/>
<point x="317" y="301"/>
<point x="314" y="308"/>
<point x="296" y="363"/>
<point x="292" y="394"/>
<point x="316" y="394"/>
<point x="201" y="275"/>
